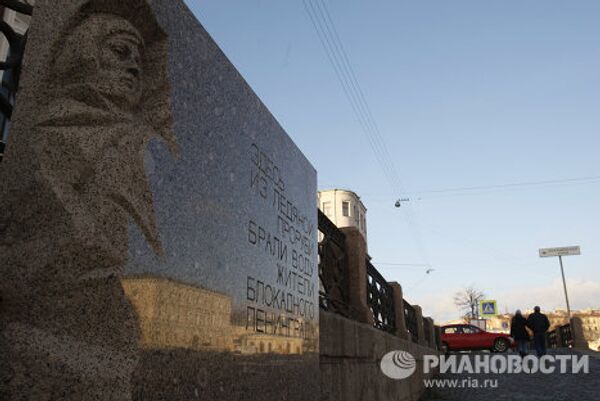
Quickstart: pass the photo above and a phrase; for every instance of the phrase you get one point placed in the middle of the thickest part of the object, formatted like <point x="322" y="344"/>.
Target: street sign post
<point x="560" y="252"/>
<point x="488" y="308"/>
<point x="563" y="251"/>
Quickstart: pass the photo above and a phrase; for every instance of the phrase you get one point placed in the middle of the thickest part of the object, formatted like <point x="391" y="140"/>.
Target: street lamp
<point x="399" y="201"/>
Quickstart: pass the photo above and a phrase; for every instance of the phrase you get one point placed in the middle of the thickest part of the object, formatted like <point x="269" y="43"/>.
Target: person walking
<point x="539" y="324"/>
<point x="518" y="331"/>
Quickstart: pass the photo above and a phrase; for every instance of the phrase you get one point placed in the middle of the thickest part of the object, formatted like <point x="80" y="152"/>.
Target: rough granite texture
<point x="157" y="226"/>
<point x="351" y="354"/>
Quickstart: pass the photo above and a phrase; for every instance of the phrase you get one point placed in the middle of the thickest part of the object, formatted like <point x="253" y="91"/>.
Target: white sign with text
<point x="563" y="251"/>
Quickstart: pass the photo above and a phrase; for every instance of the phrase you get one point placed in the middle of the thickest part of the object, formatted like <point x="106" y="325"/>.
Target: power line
<point x="374" y="129"/>
<point x="512" y="185"/>
<point x="349" y="85"/>
<point x="401" y="264"/>
<point x="331" y="42"/>
<point x="484" y="189"/>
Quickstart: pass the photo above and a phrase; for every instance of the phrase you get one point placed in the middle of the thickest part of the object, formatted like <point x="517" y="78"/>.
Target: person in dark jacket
<point x="518" y="331"/>
<point x="539" y="324"/>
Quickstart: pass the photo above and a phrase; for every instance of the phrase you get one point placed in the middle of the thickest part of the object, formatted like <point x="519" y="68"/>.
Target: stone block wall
<point x="351" y="353"/>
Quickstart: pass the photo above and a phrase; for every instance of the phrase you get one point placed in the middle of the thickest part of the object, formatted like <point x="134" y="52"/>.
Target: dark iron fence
<point x="380" y="298"/>
<point x="334" y="287"/>
<point x="10" y="66"/>
<point x="552" y="339"/>
<point x="560" y="337"/>
<point x="334" y="293"/>
<point x="566" y="337"/>
<point x="410" y="316"/>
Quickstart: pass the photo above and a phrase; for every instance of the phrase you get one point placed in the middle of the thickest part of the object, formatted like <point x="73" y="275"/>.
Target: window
<point x="471" y="330"/>
<point x="356" y="214"/>
<point x="450" y="330"/>
<point x="327" y="209"/>
<point x="346" y="209"/>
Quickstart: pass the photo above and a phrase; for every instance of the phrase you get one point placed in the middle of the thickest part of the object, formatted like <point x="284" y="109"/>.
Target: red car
<point x="460" y="337"/>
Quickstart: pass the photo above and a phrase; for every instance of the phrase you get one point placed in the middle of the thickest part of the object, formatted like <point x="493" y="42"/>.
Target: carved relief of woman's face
<point x="120" y="67"/>
<point x="103" y="54"/>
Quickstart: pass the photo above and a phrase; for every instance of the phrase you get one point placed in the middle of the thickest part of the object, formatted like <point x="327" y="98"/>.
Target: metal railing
<point x="11" y="66"/>
<point x="380" y="299"/>
<point x="560" y="337"/>
<point x="334" y="286"/>
<point x="410" y="317"/>
<point x="552" y="339"/>
<point x="334" y="295"/>
<point x="566" y="337"/>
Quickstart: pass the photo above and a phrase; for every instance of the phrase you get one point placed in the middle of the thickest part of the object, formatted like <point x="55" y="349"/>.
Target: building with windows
<point x="344" y="208"/>
<point x="175" y="315"/>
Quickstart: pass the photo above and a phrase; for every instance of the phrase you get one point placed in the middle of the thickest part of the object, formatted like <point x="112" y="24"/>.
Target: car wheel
<point x="501" y="345"/>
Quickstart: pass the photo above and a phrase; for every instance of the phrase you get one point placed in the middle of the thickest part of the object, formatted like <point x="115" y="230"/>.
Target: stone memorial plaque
<point x="159" y="227"/>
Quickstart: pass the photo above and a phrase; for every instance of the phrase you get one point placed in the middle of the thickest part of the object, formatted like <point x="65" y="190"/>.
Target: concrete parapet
<point x="430" y="338"/>
<point x="350" y="358"/>
<point x="401" y="330"/>
<point x="356" y="252"/>
<point x="577" y="333"/>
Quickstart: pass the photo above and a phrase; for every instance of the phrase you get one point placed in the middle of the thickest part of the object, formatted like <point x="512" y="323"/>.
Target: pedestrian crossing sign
<point x="488" y="308"/>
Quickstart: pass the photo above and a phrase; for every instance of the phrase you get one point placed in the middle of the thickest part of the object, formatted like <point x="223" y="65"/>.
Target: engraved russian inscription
<point x="136" y="269"/>
<point x="281" y="300"/>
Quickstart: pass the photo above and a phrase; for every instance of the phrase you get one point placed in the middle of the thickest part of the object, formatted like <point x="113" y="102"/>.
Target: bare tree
<point x="467" y="300"/>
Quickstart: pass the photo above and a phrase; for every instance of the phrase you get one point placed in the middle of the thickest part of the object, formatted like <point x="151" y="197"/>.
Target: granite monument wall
<point x="158" y="227"/>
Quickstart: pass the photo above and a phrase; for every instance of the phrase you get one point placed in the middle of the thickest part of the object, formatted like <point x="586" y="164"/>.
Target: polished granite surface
<point x="160" y="238"/>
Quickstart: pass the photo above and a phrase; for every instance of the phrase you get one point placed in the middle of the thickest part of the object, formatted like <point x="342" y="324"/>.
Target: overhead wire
<point x="483" y="189"/>
<point x="343" y="74"/>
<point x="332" y="44"/>
<point x="526" y="184"/>
<point x="401" y="264"/>
<point x="395" y="178"/>
<point x="374" y="129"/>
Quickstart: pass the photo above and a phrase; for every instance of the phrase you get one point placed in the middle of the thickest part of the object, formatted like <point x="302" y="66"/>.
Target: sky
<point x="465" y="94"/>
